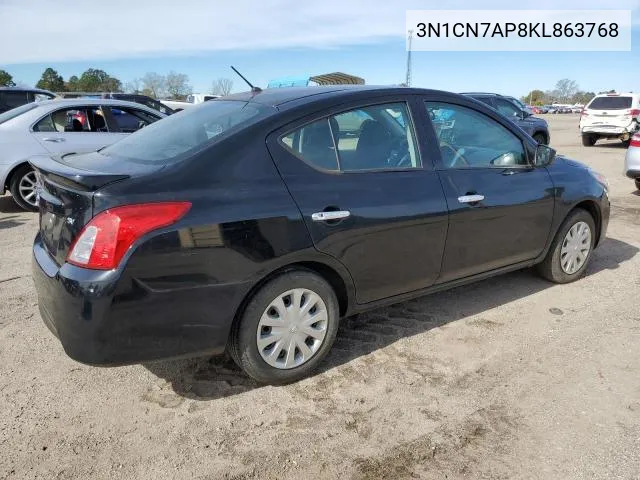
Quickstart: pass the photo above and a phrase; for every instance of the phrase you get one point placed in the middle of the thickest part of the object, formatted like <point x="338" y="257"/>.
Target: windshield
<point x="14" y="112"/>
<point x="186" y="131"/>
<point x="610" y="103"/>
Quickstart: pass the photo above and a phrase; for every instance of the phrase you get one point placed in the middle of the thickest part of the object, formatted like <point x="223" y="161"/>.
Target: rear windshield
<point x="14" y="112"/>
<point x="184" y="132"/>
<point x="610" y="103"/>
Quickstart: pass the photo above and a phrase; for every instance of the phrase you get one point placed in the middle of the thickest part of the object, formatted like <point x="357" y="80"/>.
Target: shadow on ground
<point x="217" y="377"/>
<point x="7" y="205"/>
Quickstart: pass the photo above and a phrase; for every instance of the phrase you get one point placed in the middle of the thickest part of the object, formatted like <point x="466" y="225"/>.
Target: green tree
<point x="95" y="80"/>
<point x="72" y="84"/>
<point x="6" y="80"/>
<point x="51" y="80"/>
<point x="534" y="97"/>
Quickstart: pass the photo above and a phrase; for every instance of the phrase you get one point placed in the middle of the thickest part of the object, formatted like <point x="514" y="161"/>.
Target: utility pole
<point x="408" y="79"/>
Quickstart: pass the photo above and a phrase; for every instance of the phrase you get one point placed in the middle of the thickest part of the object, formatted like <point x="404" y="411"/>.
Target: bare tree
<point x="566" y="89"/>
<point x="154" y="84"/>
<point x="177" y="85"/>
<point x="221" y="86"/>
<point x="133" y="86"/>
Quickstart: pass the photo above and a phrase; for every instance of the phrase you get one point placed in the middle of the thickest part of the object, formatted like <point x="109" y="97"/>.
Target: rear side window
<point x="610" y="103"/>
<point x="179" y="135"/>
<point x="87" y="119"/>
<point x="369" y="138"/>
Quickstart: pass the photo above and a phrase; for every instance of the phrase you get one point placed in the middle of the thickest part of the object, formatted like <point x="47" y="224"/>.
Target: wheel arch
<point x="591" y="206"/>
<point x="7" y="180"/>
<point x="327" y="272"/>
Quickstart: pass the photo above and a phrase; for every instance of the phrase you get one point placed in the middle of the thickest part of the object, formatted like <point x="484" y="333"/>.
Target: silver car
<point x="59" y="127"/>
<point x="632" y="160"/>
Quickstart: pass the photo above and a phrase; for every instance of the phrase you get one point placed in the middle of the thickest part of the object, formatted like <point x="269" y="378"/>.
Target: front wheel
<point x="638" y="183"/>
<point x="23" y="188"/>
<point x="540" y="138"/>
<point x="570" y="252"/>
<point x="287" y="328"/>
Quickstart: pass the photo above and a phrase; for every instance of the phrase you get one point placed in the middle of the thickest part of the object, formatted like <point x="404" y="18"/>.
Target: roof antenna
<point x="253" y="89"/>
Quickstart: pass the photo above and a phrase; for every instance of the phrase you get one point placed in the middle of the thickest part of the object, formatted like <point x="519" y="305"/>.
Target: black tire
<point x="638" y="183"/>
<point x="243" y="347"/>
<point x="14" y="187"/>
<point x="551" y="268"/>
<point x="589" y="140"/>
<point x="540" y="138"/>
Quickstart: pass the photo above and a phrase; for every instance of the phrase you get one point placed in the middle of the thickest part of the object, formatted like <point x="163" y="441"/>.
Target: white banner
<point x="519" y="30"/>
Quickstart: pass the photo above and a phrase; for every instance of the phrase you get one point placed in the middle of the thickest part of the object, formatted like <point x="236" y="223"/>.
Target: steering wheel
<point x="399" y="153"/>
<point x="457" y="155"/>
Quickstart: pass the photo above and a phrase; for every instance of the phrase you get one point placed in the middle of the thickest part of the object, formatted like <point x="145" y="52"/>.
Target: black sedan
<point x="255" y="222"/>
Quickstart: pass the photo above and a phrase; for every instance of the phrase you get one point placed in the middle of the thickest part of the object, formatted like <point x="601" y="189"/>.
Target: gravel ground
<point x="510" y="378"/>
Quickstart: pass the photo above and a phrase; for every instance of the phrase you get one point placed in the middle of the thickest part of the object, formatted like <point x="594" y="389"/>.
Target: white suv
<point x="611" y="115"/>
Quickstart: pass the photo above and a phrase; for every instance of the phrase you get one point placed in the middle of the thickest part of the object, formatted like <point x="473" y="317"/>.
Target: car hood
<point x="570" y="162"/>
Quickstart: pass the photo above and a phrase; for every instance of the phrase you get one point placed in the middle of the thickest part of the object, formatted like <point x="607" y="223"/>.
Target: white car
<point x="632" y="160"/>
<point x="190" y="101"/>
<point x="59" y="127"/>
<point x="611" y="115"/>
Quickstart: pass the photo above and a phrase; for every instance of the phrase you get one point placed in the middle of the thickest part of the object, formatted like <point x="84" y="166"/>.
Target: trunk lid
<point x="66" y="186"/>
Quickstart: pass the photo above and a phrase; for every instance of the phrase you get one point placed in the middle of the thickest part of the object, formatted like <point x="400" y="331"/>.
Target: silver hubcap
<point x="292" y="328"/>
<point x="27" y="188"/>
<point x="575" y="248"/>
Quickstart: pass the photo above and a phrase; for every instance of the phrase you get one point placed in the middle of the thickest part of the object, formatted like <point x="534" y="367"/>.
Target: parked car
<point x="543" y="109"/>
<point x="254" y="223"/>
<point x="12" y="97"/>
<point x="59" y="127"/>
<point x="534" y="109"/>
<point x="190" y="101"/>
<point x="632" y="160"/>
<point x="577" y="108"/>
<point x="551" y="109"/>
<point x="534" y="126"/>
<point x="610" y="115"/>
<point x="127" y="97"/>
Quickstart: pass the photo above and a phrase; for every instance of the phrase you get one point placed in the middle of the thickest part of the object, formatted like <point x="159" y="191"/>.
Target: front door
<point x="367" y="196"/>
<point x="500" y="206"/>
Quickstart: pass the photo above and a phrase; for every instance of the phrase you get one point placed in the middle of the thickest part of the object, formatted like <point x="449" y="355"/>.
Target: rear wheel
<point x="638" y="183"/>
<point x="589" y="140"/>
<point x="287" y="328"/>
<point x="540" y="138"/>
<point x="571" y="249"/>
<point x="23" y="187"/>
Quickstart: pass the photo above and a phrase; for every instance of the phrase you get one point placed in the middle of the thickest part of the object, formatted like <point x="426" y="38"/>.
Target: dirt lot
<point x="509" y="378"/>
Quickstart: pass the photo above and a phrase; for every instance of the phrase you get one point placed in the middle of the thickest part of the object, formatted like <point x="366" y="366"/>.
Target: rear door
<point x="501" y="208"/>
<point x="75" y="129"/>
<point x="368" y="196"/>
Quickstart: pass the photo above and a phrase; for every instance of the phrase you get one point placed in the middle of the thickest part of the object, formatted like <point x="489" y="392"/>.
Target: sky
<point x="267" y="40"/>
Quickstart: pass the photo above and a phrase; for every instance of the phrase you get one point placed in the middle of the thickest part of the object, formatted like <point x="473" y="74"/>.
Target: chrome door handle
<point x="55" y="140"/>
<point x="470" y="198"/>
<point x="325" y="216"/>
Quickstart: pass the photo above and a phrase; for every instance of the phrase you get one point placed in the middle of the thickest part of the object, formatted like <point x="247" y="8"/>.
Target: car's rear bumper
<point x="609" y="129"/>
<point x="100" y="323"/>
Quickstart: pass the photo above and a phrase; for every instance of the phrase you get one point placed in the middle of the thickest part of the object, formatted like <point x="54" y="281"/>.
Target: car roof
<point x="278" y="97"/>
<point x="26" y="89"/>
<point x="621" y="94"/>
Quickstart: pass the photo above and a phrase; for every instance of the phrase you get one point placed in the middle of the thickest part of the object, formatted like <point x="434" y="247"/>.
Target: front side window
<point x="368" y="138"/>
<point x="507" y="108"/>
<point x="130" y="120"/>
<point x="468" y="138"/>
<point x="77" y="119"/>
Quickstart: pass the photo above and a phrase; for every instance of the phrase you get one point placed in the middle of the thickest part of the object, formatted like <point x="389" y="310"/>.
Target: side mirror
<point x="544" y="155"/>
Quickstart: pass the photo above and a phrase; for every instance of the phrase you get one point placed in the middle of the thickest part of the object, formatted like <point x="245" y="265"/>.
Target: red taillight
<point x="635" y="112"/>
<point x="635" y="140"/>
<point x="106" y="238"/>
